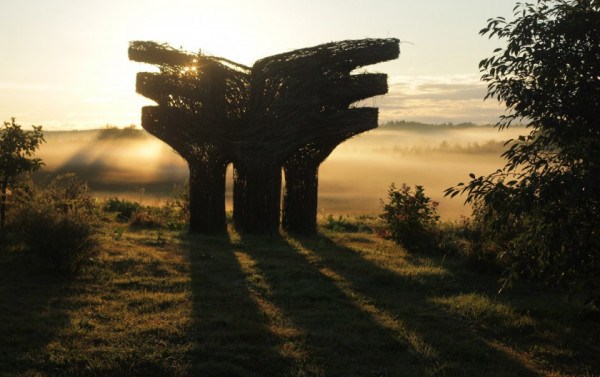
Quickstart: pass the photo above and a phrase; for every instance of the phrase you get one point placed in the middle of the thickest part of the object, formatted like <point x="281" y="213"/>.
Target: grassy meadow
<point x="346" y="302"/>
<point x="163" y="303"/>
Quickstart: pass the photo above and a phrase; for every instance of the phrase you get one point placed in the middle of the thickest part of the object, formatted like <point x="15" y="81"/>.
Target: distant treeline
<point x="489" y="147"/>
<point x="418" y="126"/>
<point x="107" y="133"/>
<point x="110" y="132"/>
<point x="130" y="132"/>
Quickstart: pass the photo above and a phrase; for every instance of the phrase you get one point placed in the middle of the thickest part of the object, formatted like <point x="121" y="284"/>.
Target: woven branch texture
<point x="287" y="112"/>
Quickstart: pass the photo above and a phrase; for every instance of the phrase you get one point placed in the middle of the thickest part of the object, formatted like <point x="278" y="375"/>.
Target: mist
<point x="352" y="181"/>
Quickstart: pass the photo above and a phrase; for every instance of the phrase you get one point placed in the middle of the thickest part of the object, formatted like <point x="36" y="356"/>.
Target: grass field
<point x="339" y="304"/>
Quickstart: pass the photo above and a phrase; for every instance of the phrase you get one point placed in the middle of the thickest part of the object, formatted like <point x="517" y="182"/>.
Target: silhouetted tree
<point x="17" y="148"/>
<point x="544" y="205"/>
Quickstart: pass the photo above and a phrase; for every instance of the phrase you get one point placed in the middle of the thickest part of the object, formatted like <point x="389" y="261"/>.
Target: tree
<point x="544" y="204"/>
<point x="17" y="148"/>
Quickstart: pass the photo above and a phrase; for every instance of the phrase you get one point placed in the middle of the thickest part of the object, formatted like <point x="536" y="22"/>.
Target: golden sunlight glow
<point x="145" y="155"/>
<point x="191" y="69"/>
<point x="133" y="162"/>
<point x="148" y="150"/>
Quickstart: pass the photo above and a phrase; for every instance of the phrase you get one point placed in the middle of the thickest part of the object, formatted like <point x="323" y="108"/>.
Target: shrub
<point x="543" y="243"/>
<point x="147" y="219"/>
<point x="60" y="223"/>
<point x="467" y="239"/>
<point x="65" y="240"/>
<point x="346" y="224"/>
<point x="70" y="195"/>
<point x="410" y="217"/>
<point x="17" y="148"/>
<point x="180" y="202"/>
<point x="173" y="217"/>
<point x="122" y="207"/>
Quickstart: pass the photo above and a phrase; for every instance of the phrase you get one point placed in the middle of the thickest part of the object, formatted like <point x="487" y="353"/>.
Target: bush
<point x="346" y="224"/>
<point x="174" y="214"/>
<point x="173" y="217"/>
<point x="16" y="157"/>
<point x="60" y="223"/>
<point x="66" y="241"/>
<point x="123" y="208"/>
<point x="410" y="217"/>
<point x="147" y="219"/>
<point x="179" y="204"/>
<point x="555" y="243"/>
<point x="467" y="239"/>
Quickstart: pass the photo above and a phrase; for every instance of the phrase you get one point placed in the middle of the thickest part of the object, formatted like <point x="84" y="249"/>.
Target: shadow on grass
<point x="231" y="333"/>
<point x="310" y="307"/>
<point x="333" y="336"/>
<point x="432" y="341"/>
<point x="32" y="312"/>
<point x="286" y="306"/>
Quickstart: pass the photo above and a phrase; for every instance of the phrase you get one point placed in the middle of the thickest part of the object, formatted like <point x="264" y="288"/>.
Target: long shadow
<point x="537" y="318"/>
<point x="231" y="334"/>
<point x="338" y="337"/>
<point x="32" y="312"/>
<point x="448" y="346"/>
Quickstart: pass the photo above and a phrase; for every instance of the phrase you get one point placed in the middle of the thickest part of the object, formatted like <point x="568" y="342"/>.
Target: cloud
<point x="438" y="99"/>
<point x="434" y="99"/>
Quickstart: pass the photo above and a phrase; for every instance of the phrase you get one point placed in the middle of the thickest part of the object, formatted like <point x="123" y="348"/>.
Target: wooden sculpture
<point x="286" y="111"/>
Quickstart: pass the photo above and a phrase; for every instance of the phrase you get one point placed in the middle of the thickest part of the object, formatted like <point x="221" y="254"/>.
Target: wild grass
<point x="339" y="304"/>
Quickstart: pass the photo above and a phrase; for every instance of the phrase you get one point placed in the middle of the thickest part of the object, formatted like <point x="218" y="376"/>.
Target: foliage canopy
<point x="543" y="205"/>
<point x="17" y="148"/>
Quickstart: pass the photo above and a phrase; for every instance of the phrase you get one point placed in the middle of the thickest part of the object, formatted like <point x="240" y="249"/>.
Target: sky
<point x="64" y="63"/>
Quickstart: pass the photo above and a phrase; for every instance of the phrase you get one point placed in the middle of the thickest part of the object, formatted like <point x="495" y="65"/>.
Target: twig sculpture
<point x="287" y="111"/>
